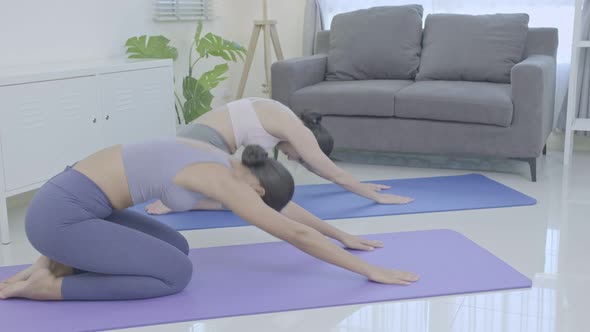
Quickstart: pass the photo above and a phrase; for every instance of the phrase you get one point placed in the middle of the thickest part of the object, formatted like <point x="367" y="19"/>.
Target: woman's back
<point x="152" y="166"/>
<point x="246" y="121"/>
<point x="105" y="168"/>
<point x="134" y="173"/>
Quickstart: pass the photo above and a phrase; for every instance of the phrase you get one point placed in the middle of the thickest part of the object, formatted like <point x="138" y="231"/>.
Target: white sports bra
<point x="246" y="125"/>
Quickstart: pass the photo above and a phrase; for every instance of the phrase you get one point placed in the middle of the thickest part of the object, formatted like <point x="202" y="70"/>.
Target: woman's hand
<point x="392" y="199"/>
<point x="372" y="191"/>
<point x="358" y="243"/>
<point x="387" y="276"/>
<point x="373" y="186"/>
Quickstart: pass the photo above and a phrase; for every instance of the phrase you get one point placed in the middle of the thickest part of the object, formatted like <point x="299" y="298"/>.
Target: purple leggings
<point x="117" y="255"/>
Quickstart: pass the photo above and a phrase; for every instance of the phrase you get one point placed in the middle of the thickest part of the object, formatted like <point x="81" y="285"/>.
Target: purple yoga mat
<point x="273" y="277"/>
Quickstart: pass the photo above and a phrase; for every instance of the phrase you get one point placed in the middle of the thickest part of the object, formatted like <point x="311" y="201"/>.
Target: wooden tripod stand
<point x="268" y="27"/>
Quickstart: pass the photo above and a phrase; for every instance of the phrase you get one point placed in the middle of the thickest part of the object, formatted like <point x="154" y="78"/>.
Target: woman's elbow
<point x="303" y="236"/>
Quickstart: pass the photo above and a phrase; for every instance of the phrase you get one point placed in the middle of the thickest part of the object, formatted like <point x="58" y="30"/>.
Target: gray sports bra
<point x="151" y="167"/>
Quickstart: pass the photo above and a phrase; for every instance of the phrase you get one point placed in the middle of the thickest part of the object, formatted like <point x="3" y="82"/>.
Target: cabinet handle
<point x="94" y="120"/>
<point x="107" y="117"/>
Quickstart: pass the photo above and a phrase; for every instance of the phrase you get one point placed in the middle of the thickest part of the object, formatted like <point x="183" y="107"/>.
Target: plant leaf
<point x="213" y="45"/>
<point x="189" y="86"/>
<point x="193" y="108"/>
<point x="198" y="98"/>
<point x="212" y="78"/>
<point x="152" y="47"/>
<point x="198" y="32"/>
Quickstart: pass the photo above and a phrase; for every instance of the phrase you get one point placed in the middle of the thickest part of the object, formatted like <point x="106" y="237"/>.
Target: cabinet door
<point x="137" y="105"/>
<point x="45" y="126"/>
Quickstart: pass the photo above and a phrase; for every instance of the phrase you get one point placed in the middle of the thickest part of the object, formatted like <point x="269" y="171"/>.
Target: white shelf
<point x="581" y="125"/>
<point x="78" y="68"/>
<point x="574" y="124"/>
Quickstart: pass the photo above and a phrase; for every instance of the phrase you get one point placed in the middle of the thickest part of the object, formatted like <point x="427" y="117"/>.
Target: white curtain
<point x="543" y="13"/>
<point x="583" y="103"/>
<point x="312" y="23"/>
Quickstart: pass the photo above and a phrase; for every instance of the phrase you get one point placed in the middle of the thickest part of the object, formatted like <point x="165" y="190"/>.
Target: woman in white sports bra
<point x="270" y="124"/>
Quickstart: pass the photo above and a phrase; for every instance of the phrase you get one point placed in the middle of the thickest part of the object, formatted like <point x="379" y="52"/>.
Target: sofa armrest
<point x="533" y="95"/>
<point x="291" y="75"/>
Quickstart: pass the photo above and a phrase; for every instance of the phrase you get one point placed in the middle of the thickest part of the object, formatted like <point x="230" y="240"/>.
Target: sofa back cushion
<point x="375" y="43"/>
<point x="472" y="47"/>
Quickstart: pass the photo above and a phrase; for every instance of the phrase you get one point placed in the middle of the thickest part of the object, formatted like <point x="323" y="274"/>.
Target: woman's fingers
<point x="373" y="243"/>
<point x="362" y="246"/>
<point x="378" y="187"/>
<point x="409" y="276"/>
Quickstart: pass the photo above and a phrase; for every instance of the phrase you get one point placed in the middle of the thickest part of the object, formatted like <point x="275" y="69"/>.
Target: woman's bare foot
<point x="21" y="276"/>
<point x="157" y="208"/>
<point x="41" y="285"/>
<point x="41" y="263"/>
<point x="57" y="269"/>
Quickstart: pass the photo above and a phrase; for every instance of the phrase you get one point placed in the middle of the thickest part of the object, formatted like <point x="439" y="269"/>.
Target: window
<point x="183" y="10"/>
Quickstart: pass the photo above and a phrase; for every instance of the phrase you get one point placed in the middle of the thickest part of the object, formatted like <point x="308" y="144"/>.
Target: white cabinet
<point x="132" y="103"/>
<point x="45" y="125"/>
<point x="54" y="115"/>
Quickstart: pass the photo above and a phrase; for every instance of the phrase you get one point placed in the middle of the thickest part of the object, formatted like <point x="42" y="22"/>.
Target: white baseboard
<point x="556" y="141"/>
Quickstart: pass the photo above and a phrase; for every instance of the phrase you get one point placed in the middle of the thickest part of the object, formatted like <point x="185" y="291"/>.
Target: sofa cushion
<point x="470" y="102"/>
<point x="376" y="43"/>
<point x="353" y="98"/>
<point x="472" y="47"/>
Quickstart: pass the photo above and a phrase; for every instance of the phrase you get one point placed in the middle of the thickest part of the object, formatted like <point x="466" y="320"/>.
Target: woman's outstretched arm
<point x="299" y="214"/>
<point x="219" y="185"/>
<point x="293" y="212"/>
<point x="302" y="139"/>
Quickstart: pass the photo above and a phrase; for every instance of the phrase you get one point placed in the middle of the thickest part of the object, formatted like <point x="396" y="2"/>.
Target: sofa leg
<point x="532" y="164"/>
<point x="545" y="150"/>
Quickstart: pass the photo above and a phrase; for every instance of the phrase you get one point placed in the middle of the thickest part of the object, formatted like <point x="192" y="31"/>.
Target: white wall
<point x="289" y="17"/>
<point x="39" y="31"/>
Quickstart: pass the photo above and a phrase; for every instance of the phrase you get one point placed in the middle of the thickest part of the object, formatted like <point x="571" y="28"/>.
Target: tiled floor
<point x="548" y="242"/>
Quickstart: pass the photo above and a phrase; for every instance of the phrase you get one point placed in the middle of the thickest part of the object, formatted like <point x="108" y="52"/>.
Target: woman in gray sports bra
<point x="94" y="249"/>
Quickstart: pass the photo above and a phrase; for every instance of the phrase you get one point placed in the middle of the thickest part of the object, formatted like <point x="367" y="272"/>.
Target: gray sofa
<point x="462" y="85"/>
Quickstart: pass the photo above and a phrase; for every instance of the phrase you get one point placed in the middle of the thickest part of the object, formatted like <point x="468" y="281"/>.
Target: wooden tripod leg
<point x="276" y="43"/>
<point x="249" y="60"/>
<point x="267" y="57"/>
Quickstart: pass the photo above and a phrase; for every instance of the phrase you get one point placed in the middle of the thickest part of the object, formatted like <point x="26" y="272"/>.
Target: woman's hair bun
<point x="254" y="155"/>
<point x="311" y="119"/>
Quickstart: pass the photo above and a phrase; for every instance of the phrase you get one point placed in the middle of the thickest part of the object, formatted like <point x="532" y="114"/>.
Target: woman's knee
<point x="182" y="244"/>
<point x="181" y="276"/>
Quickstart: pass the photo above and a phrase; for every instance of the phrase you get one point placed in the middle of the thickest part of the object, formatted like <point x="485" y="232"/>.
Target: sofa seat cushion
<point x="470" y="102"/>
<point x="352" y="98"/>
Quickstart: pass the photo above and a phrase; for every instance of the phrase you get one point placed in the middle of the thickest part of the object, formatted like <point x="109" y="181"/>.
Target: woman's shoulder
<point x="268" y="108"/>
<point x="203" y="147"/>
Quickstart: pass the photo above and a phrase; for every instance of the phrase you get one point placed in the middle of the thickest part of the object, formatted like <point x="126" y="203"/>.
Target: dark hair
<point x="276" y="180"/>
<point x="312" y="120"/>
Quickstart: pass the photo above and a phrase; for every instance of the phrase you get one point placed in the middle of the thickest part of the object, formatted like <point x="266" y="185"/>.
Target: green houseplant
<point x="196" y="92"/>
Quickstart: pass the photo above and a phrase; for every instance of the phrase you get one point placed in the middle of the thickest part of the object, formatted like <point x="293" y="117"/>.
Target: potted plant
<point x="196" y="92"/>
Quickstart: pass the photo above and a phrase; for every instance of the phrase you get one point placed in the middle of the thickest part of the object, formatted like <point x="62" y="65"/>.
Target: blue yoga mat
<point x="329" y="201"/>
